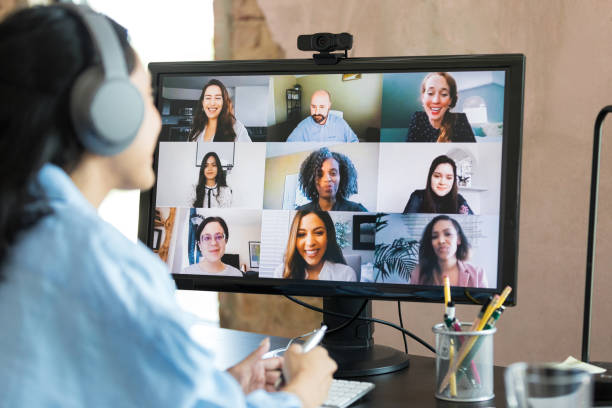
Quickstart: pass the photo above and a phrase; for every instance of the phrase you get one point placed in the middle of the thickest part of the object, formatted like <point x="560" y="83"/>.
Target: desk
<point x="411" y="387"/>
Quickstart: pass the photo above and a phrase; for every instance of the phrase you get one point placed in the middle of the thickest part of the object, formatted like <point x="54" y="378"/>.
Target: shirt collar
<point x="58" y="186"/>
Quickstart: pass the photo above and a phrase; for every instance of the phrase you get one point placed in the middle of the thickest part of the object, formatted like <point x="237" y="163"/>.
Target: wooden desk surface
<point x="411" y="387"/>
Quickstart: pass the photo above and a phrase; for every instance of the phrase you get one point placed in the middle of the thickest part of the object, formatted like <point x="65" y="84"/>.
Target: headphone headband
<point x="106" y="108"/>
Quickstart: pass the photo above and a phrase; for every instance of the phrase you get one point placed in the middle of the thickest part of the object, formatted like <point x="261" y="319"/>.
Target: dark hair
<point x="433" y="203"/>
<point x="225" y="123"/>
<point x="310" y="172"/>
<point x="448" y="121"/>
<point x="208" y="220"/>
<point x="428" y="260"/>
<point x="43" y="49"/>
<point x="201" y="187"/>
<point x="294" y="263"/>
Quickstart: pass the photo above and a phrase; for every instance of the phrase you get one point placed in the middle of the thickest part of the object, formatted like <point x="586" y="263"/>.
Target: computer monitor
<point x="418" y="158"/>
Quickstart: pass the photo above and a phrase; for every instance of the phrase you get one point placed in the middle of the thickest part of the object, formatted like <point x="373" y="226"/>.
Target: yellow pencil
<point x="453" y="378"/>
<point x="447" y="292"/>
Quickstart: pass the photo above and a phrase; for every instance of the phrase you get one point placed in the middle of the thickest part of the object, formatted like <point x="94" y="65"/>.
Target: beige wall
<point x="568" y="79"/>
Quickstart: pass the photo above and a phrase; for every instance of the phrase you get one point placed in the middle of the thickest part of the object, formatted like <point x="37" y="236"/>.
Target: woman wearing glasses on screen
<point x="212" y="190"/>
<point x="328" y="179"/>
<point x="443" y="251"/>
<point x="440" y="195"/>
<point x="214" y="119"/>
<point x="212" y="235"/>
<point x="436" y="123"/>
<point x="312" y="250"/>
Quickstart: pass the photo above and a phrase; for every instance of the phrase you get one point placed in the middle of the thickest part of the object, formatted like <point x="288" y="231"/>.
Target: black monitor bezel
<point x="514" y="66"/>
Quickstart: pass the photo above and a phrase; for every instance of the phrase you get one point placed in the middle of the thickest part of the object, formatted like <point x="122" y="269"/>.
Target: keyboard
<point x="344" y="392"/>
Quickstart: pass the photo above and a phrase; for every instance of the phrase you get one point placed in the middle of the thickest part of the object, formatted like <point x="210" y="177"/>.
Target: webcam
<point x="325" y="44"/>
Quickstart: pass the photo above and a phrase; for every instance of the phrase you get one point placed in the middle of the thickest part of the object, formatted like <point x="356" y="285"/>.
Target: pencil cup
<point x="464" y="364"/>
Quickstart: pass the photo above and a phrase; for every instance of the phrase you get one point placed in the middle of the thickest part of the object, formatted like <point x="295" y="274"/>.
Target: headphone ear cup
<point x="106" y="113"/>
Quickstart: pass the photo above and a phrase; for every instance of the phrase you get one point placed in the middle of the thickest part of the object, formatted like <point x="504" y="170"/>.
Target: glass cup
<point x="547" y="386"/>
<point x="471" y="354"/>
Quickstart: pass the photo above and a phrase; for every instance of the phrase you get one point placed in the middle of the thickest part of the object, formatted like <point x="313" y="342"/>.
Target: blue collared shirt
<point x="335" y="129"/>
<point x="89" y="318"/>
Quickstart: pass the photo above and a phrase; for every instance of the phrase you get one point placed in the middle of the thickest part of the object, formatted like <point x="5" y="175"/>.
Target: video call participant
<point x="214" y="119"/>
<point x="212" y="235"/>
<point x="320" y="126"/>
<point x="94" y="301"/>
<point x="440" y="195"/>
<point x="437" y="123"/>
<point x="328" y="178"/>
<point x="443" y="251"/>
<point x="212" y="190"/>
<point x="312" y="250"/>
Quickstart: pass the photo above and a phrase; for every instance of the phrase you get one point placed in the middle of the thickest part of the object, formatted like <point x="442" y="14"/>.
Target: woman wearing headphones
<point x="86" y="314"/>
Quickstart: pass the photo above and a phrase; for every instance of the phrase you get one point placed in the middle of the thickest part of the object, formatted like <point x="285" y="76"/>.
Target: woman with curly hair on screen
<point x="312" y="250"/>
<point x="444" y="251"/>
<point x="327" y="179"/>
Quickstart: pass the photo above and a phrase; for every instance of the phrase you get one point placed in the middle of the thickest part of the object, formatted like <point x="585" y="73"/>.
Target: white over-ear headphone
<point x="106" y="108"/>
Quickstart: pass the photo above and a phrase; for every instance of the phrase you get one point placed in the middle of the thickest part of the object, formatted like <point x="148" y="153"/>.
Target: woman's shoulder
<point x="231" y="271"/>
<point x="341" y="272"/>
<point x="462" y="127"/>
<point x="347" y="205"/>
<point x="242" y="134"/>
<point x="414" y="202"/>
<point x="418" y="193"/>
<point x="415" y="275"/>
<point x="192" y="269"/>
<point x="418" y="116"/>
<point x="476" y="274"/>
<point x="307" y="207"/>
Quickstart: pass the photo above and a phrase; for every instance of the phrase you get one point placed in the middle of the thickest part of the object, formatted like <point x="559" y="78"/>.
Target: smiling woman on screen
<point x="214" y="119"/>
<point x="312" y="250"/>
<point x="437" y="123"/>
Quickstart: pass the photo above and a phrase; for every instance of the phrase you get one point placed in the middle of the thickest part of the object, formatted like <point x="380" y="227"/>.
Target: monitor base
<point x="375" y="360"/>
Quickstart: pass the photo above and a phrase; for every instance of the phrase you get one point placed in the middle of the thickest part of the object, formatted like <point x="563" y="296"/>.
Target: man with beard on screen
<point x="320" y="126"/>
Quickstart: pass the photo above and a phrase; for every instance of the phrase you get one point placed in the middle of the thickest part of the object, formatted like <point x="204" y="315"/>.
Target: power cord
<point x="367" y="319"/>
<point x="399" y="312"/>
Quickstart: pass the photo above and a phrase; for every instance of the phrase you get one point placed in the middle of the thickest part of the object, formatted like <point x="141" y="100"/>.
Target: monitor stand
<point x="353" y="347"/>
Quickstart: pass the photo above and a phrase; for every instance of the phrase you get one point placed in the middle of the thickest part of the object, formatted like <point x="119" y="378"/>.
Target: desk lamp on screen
<point x="333" y="180"/>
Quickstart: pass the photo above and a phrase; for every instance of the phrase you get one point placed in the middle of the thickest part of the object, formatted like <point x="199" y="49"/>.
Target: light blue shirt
<point x="88" y="318"/>
<point x="335" y="129"/>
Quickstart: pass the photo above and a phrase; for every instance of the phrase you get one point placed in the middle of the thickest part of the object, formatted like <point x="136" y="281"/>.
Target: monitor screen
<point x="371" y="178"/>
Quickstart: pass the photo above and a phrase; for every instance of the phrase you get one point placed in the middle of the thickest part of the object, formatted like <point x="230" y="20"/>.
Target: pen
<point x="481" y="313"/>
<point x="490" y="324"/>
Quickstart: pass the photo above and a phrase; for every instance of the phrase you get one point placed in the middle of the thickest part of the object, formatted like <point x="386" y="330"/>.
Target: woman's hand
<point x="253" y="373"/>
<point x="310" y="374"/>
